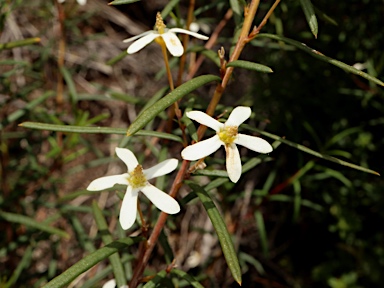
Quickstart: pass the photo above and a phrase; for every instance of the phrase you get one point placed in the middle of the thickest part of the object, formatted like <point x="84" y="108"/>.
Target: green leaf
<point x="250" y="66"/>
<point x="23" y="264"/>
<point x="71" y="85"/>
<point x="310" y="151"/>
<point x="152" y="111"/>
<point x="19" y="43"/>
<point x="262" y="232"/>
<point x="155" y="281"/>
<point x="168" y="8"/>
<point x="121" y="2"/>
<point x="322" y="57"/>
<point x="91" y="260"/>
<point x="101" y="130"/>
<point x="187" y="277"/>
<point x="221" y="230"/>
<point x="29" y="222"/>
<point x="115" y="260"/>
<point x="310" y="15"/>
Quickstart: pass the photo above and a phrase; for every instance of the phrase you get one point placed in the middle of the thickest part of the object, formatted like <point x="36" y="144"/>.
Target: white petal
<point x="173" y="44"/>
<point x="60" y="1"/>
<point x="238" y="116"/>
<point x="110" y="284"/>
<point x="161" y="169"/>
<point x="194" y="34"/>
<point x="139" y="36"/>
<point x="82" y="2"/>
<point x="201" y="149"/>
<point x="205" y="119"/>
<point x="233" y="163"/>
<point x="128" y="208"/>
<point x="107" y="182"/>
<point x="254" y="143"/>
<point x="161" y="199"/>
<point x="127" y="157"/>
<point x="142" y="42"/>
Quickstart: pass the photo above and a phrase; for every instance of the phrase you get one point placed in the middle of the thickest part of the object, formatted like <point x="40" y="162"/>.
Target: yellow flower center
<point x="160" y="26"/>
<point x="137" y="178"/>
<point x="228" y="134"/>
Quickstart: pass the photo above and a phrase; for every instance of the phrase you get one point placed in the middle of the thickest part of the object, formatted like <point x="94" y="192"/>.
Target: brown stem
<point x="157" y="229"/>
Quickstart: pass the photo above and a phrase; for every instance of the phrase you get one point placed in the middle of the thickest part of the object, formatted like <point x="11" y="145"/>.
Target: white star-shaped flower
<point x="112" y="284"/>
<point x="81" y="2"/>
<point x="169" y="37"/>
<point x="227" y="135"/>
<point x="137" y="180"/>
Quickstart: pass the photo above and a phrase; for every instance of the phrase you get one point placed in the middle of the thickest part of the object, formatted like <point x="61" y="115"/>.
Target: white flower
<point x="173" y="43"/>
<point x="227" y="135"/>
<point x="112" y="284"/>
<point x="81" y="2"/>
<point x="137" y="180"/>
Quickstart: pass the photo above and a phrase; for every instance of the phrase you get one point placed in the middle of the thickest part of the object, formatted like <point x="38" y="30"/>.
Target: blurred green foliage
<point x="311" y="223"/>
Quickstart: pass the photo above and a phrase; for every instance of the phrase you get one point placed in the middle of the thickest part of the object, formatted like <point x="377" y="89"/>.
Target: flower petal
<point x="127" y="157"/>
<point x="128" y="208"/>
<point x="201" y="149"/>
<point x="238" y="116"/>
<point x="161" y="199"/>
<point x="142" y="42"/>
<point x="205" y="119"/>
<point x="194" y="34"/>
<point x="107" y="182"/>
<point x="82" y="2"/>
<point x="254" y="143"/>
<point x="138" y="36"/>
<point x="161" y="169"/>
<point x="173" y="44"/>
<point x="233" y="162"/>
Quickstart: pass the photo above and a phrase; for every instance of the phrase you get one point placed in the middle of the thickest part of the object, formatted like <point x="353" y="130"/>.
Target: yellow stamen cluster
<point x="160" y="26"/>
<point x="137" y="178"/>
<point x="228" y="134"/>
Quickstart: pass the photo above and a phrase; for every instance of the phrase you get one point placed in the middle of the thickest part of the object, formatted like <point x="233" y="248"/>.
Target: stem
<point x="183" y="58"/>
<point x="243" y="39"/>
<point x="157" y="229"/>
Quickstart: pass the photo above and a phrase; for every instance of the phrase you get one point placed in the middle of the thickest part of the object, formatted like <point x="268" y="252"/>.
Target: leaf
<point x="250" y="66"/>
<point x="310" y="151"/>
<point x="152" y="111"/>
<point x="187" y="277"/>
<point x="29" y="222"/>
<point x="168" y="8"/>
<point x="156" y="281"/>
<point x="89" y="261"/>
<point x="115" y="260"/>
<point x="221" y="231"/>
<point x="101" y="130"/>
<point x="262" y="233"/>
<point x="121" y="2"/>
<point x="19" y="43"/>
<point x="322" y="57"/>
<point x="310" y="15"/>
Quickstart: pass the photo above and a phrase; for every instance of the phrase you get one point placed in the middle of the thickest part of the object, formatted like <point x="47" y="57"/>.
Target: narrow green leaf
<point x="121" y="2"/>
<point x="19" y="43"/>
<point x="115" y="260"/>
<point x="221" y="230"/>
<point x="250" y="66"/>
<point x="24" y="263"/>
<point x="322" y="57"/>
<point x="152" y="111"/>
<point x="310" y="151"/>
<point x="91" y="260"/>
<point x="71" y="85"/>
<point x="155" y="281"/>
<point x="187" y="277"/>
<point x="325" y="17"/>
<point x="29" y="222"/>
<point x="168" y="8"/>
<point x="310" y="15"/>
<point x="262" y="232"/>
<point x="19" y="113"/>
<point x="101" y="130"/>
